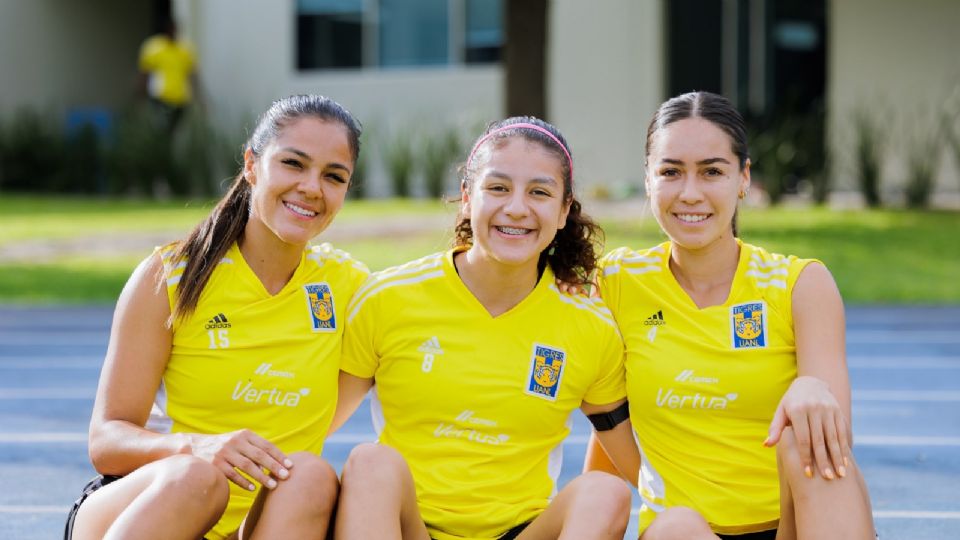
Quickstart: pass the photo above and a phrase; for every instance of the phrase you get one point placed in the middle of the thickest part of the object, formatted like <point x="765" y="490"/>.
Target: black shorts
<point x="513" y="533"/>
<point x="762" y="535"/>
<point x="88" y="490"/>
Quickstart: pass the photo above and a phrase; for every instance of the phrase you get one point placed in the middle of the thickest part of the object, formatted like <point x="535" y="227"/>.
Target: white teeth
<point x="512" y="230"/>
<point x="302" y="211"/>
<point x="692" y="218"/>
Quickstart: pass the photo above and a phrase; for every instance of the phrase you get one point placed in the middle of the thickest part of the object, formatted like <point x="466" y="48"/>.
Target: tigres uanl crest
<point x="546" y="370"/>
<point x="320" y="301"/>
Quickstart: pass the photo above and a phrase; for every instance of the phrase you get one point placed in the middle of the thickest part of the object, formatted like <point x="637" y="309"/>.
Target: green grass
<point x="27" y="218"/>
<point x="876" y="256"/>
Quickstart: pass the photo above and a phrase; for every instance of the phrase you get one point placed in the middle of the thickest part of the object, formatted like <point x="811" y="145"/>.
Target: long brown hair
<point x="573" y="253"/>
<point x="211" y="238"/>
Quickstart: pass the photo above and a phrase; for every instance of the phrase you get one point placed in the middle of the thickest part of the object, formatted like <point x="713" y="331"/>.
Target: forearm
<point x="119" y="447"/>
<point x="620" y="447"/>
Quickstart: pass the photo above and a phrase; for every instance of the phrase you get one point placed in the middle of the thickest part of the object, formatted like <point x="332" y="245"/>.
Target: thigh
<point x="103" y="501"/>
<point x="593" y="504"/>
<point x="173" y="477"/>
<point x="93" y="485"/>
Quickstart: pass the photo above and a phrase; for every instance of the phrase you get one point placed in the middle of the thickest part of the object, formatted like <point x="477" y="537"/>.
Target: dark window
<point x="391" y="33"/>
<point x="329" y="34"/>
<point x="483" y="37"/>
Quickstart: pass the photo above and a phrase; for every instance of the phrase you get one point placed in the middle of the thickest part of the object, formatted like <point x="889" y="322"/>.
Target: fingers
<point x="819" y="447"/>
<point x="801" y="430"/>
<point x="245" y="452"/>
<point x="268" y="456"/>
<point x="832" y="436"/>
<point x="843" y="434"/>
<point x="776" y="426"/>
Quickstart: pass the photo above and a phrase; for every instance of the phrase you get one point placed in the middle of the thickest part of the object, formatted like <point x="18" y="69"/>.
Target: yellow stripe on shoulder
<point x="634" y="262"/>
<point x="429" y="267"/>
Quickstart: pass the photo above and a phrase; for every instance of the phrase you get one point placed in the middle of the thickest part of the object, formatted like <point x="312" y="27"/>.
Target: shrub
<point x="439" y="151"/>
<point x="868" y="148"/>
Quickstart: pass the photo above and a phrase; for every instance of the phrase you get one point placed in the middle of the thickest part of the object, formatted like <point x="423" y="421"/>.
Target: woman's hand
<point x="821" y="428"/>
<point x="243" y="451"/>
<point x="577" y="289"/>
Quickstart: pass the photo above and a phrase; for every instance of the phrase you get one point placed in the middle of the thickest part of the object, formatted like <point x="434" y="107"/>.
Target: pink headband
<point x="524" y="125"/>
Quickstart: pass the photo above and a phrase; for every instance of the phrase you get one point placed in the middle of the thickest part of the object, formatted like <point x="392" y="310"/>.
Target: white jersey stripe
<point x="386" y="285"/>
<point x="768" y="274"/>
<point x="643" y="269"/>
<point x="426" y="263"/>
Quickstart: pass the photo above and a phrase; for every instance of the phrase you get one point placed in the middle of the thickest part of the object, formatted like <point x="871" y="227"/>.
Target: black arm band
<point x="609" y="420"/>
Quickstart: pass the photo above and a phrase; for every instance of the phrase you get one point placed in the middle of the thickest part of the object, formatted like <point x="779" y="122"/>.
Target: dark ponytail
<point x="212" y="237"/>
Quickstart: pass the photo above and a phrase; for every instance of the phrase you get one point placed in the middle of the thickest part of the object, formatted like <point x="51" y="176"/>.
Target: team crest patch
<point x="320" y="301"/>
<point x="748" y="324"/>
<point x="546" y="370"/>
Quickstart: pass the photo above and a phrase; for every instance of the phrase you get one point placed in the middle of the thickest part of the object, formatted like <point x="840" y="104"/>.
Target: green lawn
<point x="876" y="256"/>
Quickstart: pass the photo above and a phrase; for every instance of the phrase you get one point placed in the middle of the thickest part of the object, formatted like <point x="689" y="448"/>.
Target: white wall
<point x="247" y="59"/>
<point x="605" y="80"/>
<point x="898" y="60"/>
<point x="57" y="54"/>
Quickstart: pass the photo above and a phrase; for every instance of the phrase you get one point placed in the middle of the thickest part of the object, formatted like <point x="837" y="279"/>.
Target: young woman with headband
<point x="233" y="336"/>
<point x="736" y="370"/>
<point x="478" y="361"/>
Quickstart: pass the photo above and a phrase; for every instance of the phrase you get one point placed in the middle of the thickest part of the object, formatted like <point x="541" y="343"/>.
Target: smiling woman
<point x="188" y="419"/>
<point x="469" y="426"/>
<point x="731" y="350"/>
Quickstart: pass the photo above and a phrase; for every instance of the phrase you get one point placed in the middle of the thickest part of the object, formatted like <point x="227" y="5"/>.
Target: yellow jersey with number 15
<point x="704" y="383"/>
<point x="478" y="405"/>
<point x="248" y="359"/>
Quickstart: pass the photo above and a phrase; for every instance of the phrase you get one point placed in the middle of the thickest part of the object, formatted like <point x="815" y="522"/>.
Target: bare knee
<point x="311" y="479"/>
<point x="606" y="497"/>
<point x="369" y="462"/>
<point x="678" y="523"/>
<point x="192" y="478"/>
<point x="788" y="455"/>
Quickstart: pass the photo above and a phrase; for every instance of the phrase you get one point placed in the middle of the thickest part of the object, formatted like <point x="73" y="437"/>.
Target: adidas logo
<point x="220" y="321"/>
<point x="431" y="346"/>
<point x="655" y="320"/>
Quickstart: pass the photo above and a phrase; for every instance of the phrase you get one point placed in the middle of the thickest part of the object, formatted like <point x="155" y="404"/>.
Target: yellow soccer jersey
<point x="248" y="359"/>
<point x="169" y="65"/>
<point x="478" y="405"/>
<point x="704" y="383"/>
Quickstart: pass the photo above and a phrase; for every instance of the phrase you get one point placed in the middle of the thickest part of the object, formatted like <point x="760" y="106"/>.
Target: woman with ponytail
<point x="736" y="369"/>
<point x="479" y="360"/>
<point x="220" y="379"/>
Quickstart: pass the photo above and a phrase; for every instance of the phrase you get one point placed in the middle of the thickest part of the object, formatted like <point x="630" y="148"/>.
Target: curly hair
<point x="573" y="253"/>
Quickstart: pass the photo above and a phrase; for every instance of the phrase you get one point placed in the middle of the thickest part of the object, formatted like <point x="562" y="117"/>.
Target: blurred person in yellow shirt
<point x="168" y="68"/>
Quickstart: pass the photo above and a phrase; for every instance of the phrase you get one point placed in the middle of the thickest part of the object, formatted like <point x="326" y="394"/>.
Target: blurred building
<point x="403" y="66"/>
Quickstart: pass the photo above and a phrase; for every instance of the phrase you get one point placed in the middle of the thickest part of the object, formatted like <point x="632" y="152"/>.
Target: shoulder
<point x="773" y="270"/>
<point x="332" y="259"/>
<point x="631" y="261"/>
<point x="399" y="280"/>
<point x="579" y="310"/>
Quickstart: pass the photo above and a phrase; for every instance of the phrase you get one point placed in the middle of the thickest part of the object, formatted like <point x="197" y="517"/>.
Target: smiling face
<point x="299" y="181"/>
<point x="515" y="203"/>
<point x="694" y="179"/>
